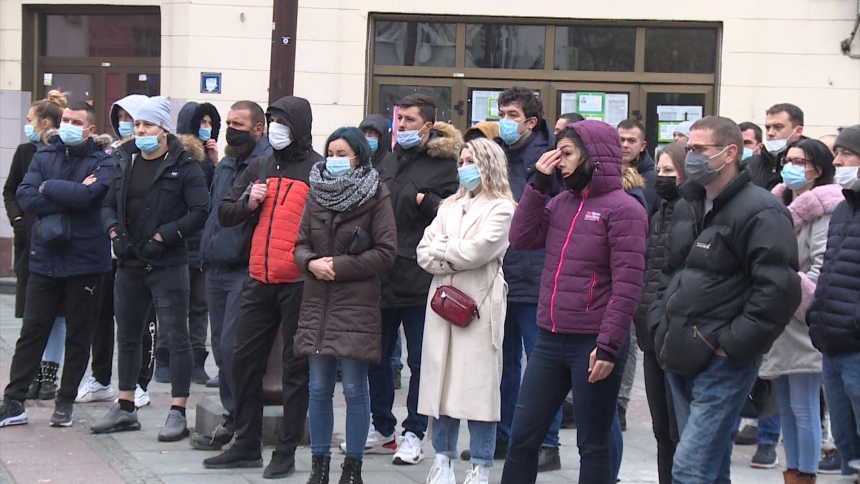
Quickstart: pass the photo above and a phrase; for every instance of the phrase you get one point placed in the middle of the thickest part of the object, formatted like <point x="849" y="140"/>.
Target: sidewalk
<point x="38" y="454"/>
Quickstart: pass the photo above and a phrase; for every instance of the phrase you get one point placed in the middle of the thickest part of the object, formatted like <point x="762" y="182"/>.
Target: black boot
<point x="281" y="465"/>
<point x="351" y="472"/>
<point x="548" y="459"/>
<point x="33" y="391"/>
<point x="319" y="469"/>
<point x="198" y="374"/>
<point x="162" y="365"/>
<point x="48" y="390"/>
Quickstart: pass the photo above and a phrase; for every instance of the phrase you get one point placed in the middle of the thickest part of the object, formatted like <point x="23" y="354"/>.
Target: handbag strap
<point x="490" y="290"/>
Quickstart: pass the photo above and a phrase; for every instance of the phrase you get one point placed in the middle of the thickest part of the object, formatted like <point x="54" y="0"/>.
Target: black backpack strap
<point x="262" y="169"/>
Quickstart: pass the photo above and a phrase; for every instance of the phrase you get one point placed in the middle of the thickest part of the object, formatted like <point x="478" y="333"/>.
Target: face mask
<point x="32" y="136"/>
<point x="775" y="146"/>
<point x="579" y="179"/>
<point x="846" y="177"/>
<point x="408" y="139"/>
<point x="747" y="153"/>
<point x="794" y="177"/>
<point x="337" y="166"/>
<point x="279" y="136"/>
<point x="469" y="176"/>
<point x="126" y="128"/>
<point x="667" y="188"/>
<point x="508" y="131"/>
<point x="204" y="134"/>
<point x="698" y="170"/>
<point x="147" y="144"/>
<point x="71" y="135"/>
<point x="237" y="137"/>
<point x="374" y="144"/>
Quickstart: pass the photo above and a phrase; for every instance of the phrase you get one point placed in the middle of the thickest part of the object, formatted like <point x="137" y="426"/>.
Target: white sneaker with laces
<point x="141" y="397"/>
<point x="376" y="443"/>
<point x="409" y="452"/>
<point x="93" y="391"/>
<point x="442" y="471"/>
<point x="478" y="475"/>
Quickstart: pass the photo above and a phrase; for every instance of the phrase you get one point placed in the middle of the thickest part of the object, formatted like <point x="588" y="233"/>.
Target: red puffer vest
<point x="271" y="260"/>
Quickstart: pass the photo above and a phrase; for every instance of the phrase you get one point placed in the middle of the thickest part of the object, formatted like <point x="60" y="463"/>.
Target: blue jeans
<point x="322" y="374"/>
<point x="842" y="391"/>
<point x="381" y="375"/>
<point x="768" y="430"/>
<point x="482" y="439"/>
<point x="56" y="342"/>
<point x="559" y="363"/>
<point x="800" y="409"/>
<point x="707" y="406"/>
<point x="520" y="332"/>
<point x="397" y="358"/>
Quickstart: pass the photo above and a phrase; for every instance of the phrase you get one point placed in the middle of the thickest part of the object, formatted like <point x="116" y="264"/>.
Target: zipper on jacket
<point x="327" y="290"/>
<point x="269" y="231"/>
<point x="697" y="334"/>
<point x="663" y="348"/>
<point x="591" y="290"/>
<point x="560" y="262"/>
<point x="287" y="192"/>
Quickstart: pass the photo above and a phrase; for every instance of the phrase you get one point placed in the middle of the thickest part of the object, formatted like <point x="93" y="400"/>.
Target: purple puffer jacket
<point x="595" y="247"/>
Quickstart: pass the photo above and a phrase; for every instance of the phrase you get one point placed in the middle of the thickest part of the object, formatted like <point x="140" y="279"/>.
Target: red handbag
<point x="454" y="306"/>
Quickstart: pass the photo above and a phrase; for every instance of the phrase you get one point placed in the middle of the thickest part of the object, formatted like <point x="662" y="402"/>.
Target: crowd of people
<point x="731" y="263"/>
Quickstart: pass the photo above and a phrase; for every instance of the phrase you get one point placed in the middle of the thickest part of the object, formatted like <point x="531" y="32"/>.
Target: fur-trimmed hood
<point x="812" y="204"/>
<point x="445" y="141"/>
<point x="630" y="178"/>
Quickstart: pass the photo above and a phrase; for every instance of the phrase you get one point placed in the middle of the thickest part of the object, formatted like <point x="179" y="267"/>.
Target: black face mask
<point x="236" y="137"/>
<point x="579" y="179"/>
<point x="666" y="188"/>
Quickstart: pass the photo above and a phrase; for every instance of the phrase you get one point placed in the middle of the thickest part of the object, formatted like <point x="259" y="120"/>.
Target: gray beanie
<point x="849" y="139"/>
<point x="155" y="110"/>
<point x="684" y="128"/>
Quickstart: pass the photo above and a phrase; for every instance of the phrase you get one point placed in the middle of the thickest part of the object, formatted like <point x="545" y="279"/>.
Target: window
<point x="426" y="44"/>
<point x="100" y="35"/>
<point x="390" y="96"/>
<point x="683" y="51"/>
<point x="500" y="46"/>
<point x="595" y="49"/>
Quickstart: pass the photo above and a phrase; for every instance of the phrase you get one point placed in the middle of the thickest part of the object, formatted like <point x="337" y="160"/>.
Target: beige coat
<point x="461" y="368"/>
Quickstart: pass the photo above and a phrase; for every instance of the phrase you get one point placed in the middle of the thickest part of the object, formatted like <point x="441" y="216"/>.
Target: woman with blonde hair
<point x="461" y="366"/>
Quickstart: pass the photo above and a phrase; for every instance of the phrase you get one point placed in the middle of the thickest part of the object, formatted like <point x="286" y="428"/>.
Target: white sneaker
<point x="141" y="397"/>
<point x="376" y="443"/>
<point x="410" y="451"/>
<point x="93" y="391"/>
<point x="442" y="471"/>
<point x="478" y="475"/>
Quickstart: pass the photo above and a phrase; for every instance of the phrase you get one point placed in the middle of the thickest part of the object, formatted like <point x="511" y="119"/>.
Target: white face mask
<point x="777" y="146"/>
<point x="279" y="136"/>
<point x="846" y="177"/>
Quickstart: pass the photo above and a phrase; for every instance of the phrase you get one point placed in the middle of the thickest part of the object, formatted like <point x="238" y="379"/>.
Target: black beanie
<point x="849" y="139"/>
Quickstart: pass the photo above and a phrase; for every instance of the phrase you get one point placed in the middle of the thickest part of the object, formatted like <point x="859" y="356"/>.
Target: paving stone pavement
<point x="38" y="454"/>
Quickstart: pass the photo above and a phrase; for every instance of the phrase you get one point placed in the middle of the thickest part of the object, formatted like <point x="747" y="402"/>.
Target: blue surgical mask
<point x="204" y="134"/>
<point x="71" y="135"/>
<point x="469" y="176"/>
<point x="147" y="144"/>
<point x="126" y="129"/>
<point x="408" y="139"/>
<point x="747" y="153"/>
<point x="794" y="177"/>
<point x="508" y="131"/>
<point x="337" y="166"/>
<point x="374" y="144"/>
<point x="31" y="135"/>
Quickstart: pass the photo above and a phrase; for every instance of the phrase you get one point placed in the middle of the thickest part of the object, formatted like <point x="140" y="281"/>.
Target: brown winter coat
<point x="341" y="318"/>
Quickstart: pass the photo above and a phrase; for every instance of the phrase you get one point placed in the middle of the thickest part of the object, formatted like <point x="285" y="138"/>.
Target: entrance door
<point x="445" y="93"/>
<point x="664" y="106"/>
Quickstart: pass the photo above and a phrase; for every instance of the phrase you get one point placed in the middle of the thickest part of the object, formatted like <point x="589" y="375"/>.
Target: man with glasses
<point x="731" y="269"/>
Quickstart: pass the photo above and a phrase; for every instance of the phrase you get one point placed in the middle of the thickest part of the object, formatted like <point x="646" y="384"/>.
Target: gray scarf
<point x="344" y="193"/>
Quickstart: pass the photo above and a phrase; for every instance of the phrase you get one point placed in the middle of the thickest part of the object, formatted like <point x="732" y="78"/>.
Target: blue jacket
<point x="219" y="246"/>
<point x="523" y="268"/>
<point x="834" y="314"/>
<point x="88" y="250"/>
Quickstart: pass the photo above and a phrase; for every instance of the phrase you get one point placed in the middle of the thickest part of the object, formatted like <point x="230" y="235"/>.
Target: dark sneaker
<point x="548" y="459"/>
<point x="213" y="382"/>
<point x="199" y="376"/>
<point x="116" y="420"/>
<point x="765" y="457"/>
<point x="64" y="414"/>
<point x="281" y="465"/>
<point x="174" y="428"/>
<point x="234" y="458"/>
<point x="12" y="413"/>
<point x="500" y="453"/>
<point x="830" y="463"/>
<point x="747" y="436"/>
<point x="219" y="438"/>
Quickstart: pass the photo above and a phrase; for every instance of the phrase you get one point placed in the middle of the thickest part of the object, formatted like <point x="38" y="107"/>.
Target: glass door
<point x="664" y="106"/>
<point x="388" y="91"/>
<point x="481" y="99"/>
<point x="610" y="103"/>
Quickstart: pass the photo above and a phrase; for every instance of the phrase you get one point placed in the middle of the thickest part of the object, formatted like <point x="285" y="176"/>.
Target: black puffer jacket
<point x="735" y="284"/>
<point x="834" y="315"/>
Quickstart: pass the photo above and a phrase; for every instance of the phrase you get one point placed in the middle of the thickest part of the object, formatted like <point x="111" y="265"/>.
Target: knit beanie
<point x="684" y="128"/>
<point x="849" y="139"/>
<point x="155" y="110"/>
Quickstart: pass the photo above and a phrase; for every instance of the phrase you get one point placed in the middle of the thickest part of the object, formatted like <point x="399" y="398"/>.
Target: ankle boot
<point x="319" y="469"/>
<point x="790" y="476"/>
<point x="198" y="373"/>
<point x="48" y="390"/>
<point x="801" y="478"/>
<point x="33" y="391"/>
<point x="351" y="472"/>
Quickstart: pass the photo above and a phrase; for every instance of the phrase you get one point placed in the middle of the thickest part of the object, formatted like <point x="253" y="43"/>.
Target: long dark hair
<point x="821" y="158"/>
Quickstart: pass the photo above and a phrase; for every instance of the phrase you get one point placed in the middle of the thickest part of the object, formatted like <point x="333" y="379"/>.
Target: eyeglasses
<point x="699" y="149"/>
<point x="800" y="162"/>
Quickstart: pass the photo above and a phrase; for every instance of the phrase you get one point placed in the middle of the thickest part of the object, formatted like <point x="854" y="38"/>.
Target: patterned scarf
<point x="344" y="193"/>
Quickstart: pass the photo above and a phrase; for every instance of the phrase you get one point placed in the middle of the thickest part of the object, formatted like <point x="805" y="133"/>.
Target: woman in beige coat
<point x="461" y="368"/>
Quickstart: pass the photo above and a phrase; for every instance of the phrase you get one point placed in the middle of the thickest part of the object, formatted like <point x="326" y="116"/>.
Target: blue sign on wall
<point x="210" y="82"/>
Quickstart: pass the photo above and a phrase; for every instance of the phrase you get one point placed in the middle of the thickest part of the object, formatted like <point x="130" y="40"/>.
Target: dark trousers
<point x="135" y="290"/>
<point x="662" y="415"/>
<point x="78" y="296"/>
<point x="381" y="375"/>
<point x="147" y="349"/>
<point x="224" y="297"/>
<point x="198" y="313"/>
<point x="264" y="308"/>
<point x="559" y="363"/>
<point x="22" y="273"/>
<point x="105" y="330"/>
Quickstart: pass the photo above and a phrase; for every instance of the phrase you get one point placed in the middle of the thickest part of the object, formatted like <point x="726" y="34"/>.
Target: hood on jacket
<point x="183" y="119"/>
<point x="445" y="141"/>
<point x="192" y="145"/>
<point x="630" y="178"/>
<point x="489" y="129"/>
<point x="201" y="111"/>
<point x="377" y="123"/>
<point x="129" y="104"/>
<point x="604" y="150"/>
<point x="296" y="113"/>
<point x="811" y="204"/>
<point x="645" y="162"/>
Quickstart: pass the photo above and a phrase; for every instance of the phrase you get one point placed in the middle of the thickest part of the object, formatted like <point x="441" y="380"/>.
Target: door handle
<point x="459" y="107"/>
